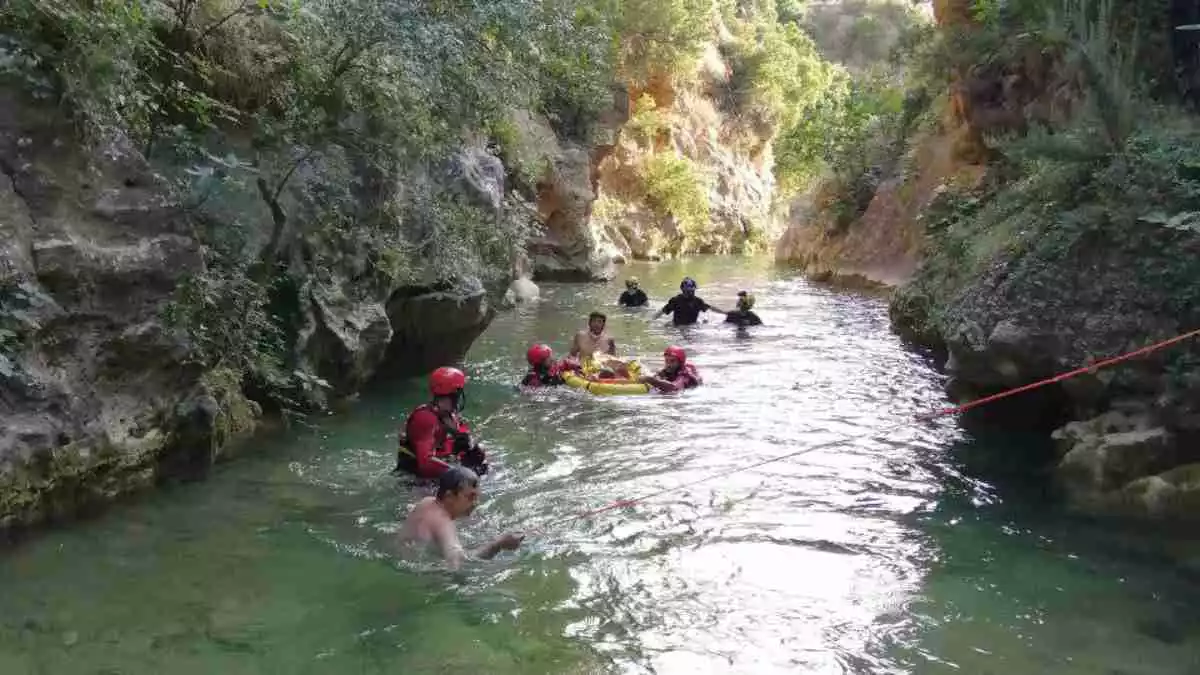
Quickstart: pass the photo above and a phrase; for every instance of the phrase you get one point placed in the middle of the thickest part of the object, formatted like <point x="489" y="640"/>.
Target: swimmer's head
<point x="596" y="322"/>
<point x="458" y="491"/>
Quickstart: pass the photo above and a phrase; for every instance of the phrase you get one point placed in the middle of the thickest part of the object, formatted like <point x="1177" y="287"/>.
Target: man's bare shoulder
<point x="422" y="518"/>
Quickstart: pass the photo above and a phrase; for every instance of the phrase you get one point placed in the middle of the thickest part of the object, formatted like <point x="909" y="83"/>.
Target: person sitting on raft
<point x="686" y="306"/>
<point x="742" y="316"/>
<point x="594" y="350"/>
<point x="432" y="520"/>
<point x="543" y="370"/>
<point x="633" y="296"/>
<point x="595" y="339"/>
<point x="435" y="436"/>
<point x="677" y="375"/>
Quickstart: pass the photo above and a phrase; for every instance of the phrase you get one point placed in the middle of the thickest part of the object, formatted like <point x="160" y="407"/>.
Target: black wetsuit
<point x="743" y="318"/>
<point x="686" y="309"/>
<point x="635" y="298"/>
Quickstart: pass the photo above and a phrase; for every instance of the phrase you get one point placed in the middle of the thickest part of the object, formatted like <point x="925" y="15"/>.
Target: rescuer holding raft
<point x="543" y="370"/>
<point x="677" y="374"/>
<point x="435" y="436"/>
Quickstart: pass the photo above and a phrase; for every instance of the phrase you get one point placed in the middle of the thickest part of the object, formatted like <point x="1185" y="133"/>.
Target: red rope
<point x="621" y="503"/>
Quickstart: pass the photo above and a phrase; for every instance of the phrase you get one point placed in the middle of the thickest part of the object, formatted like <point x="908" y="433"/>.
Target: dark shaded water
<point x="878" y="555"/>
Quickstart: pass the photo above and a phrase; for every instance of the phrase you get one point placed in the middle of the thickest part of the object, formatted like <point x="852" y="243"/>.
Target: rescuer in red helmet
<point x="543" y="370"/>
<point x="677" y="374"/>
<point x="435" y="436"/>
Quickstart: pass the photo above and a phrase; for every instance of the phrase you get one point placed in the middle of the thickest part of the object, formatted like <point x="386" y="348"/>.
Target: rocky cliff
<point x="685" y="130"/>
<point x="99" y="394"/>
<point x="618" y="192"/>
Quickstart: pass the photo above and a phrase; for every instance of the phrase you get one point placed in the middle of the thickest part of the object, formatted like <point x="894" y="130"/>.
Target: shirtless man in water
<point x="594" y="340"/>
<point x="432" y="519"/>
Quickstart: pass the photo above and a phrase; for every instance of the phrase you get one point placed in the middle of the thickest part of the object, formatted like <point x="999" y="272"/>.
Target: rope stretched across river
<point x="943" y="412"/>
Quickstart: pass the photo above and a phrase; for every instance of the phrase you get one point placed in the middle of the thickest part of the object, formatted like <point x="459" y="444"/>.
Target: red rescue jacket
<point x="685" y="378"/>
<point x="429" y="437"/>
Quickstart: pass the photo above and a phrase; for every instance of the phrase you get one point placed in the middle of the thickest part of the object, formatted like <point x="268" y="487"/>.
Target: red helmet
<point x="447" y="381"/>
<point x="677" y="352"/>
<point x="537" y="354"/>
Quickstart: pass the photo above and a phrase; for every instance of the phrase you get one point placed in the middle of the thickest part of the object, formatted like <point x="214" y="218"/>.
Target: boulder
<point x="567" y="249"/>
<point x="562" y="171"/>
<point x="521" y="290"/>
<point x="1101" y="463"/>
<point x="348" y="339"/>
<point x="1172" y="495"/>
<point x="433" y="326"/>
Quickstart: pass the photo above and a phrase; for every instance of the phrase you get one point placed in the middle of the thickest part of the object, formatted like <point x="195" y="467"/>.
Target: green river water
<point x="910" y="548"/>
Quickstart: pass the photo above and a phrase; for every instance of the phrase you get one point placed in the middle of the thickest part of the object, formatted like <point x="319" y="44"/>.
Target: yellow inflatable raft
<point x="590" y="380"/>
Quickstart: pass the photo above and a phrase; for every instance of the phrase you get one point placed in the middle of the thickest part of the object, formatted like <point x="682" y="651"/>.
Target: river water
<point x="909" y="547"/>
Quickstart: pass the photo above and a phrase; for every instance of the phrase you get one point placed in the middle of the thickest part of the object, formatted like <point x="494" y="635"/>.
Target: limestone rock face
<point x="1124" y="464"/>
<point x="91" y="249"/>
<point x="98" y="395"/>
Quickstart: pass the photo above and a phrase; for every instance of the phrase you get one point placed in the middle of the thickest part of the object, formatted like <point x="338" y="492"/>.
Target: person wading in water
<point x="633" y="296"/>
<point x="432" y="520"/>
<point x="742" y="316"/>
<point x="686" y="306"/>
<point x="435" y="435"/>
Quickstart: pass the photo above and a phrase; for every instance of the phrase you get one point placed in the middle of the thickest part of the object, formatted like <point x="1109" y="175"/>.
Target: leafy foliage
<point x="845" y="132"/>
<point x="777" y="72"/>
<point x="660" y="37"/>
<point x="1121" y="165"/>
<point x="646" y="121"/>
<point x="308" y="138"/>
<point x="675" y="188"/>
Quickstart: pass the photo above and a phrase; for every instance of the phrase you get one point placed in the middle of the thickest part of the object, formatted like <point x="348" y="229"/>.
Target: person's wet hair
<point x="597" y="315"/>
<point x="455" y="479"/>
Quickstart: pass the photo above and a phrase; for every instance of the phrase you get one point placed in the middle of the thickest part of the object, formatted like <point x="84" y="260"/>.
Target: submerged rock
<point x="1126" y="463"/>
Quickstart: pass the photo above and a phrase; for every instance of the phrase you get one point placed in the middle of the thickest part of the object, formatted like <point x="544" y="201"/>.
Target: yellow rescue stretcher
<point x="592" y="380"/>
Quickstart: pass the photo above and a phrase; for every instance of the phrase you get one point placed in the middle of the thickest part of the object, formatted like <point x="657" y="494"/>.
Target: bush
<point x="675" y="187"/>
<point x="92" y="59"/>
<point x="854" y="127"/>
<point x="646" y="122"/>
<point x="661" y="37"/>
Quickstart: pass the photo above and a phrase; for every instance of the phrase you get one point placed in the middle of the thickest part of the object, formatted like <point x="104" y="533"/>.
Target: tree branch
<point x="287" y="176"/>
<point x="246" y="8"/>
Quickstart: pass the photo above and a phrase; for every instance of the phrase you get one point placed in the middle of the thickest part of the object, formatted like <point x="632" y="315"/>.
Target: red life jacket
<point x="689" y="371"/>
<point x="547" y="377"/>
<point x="443" y="438"/>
